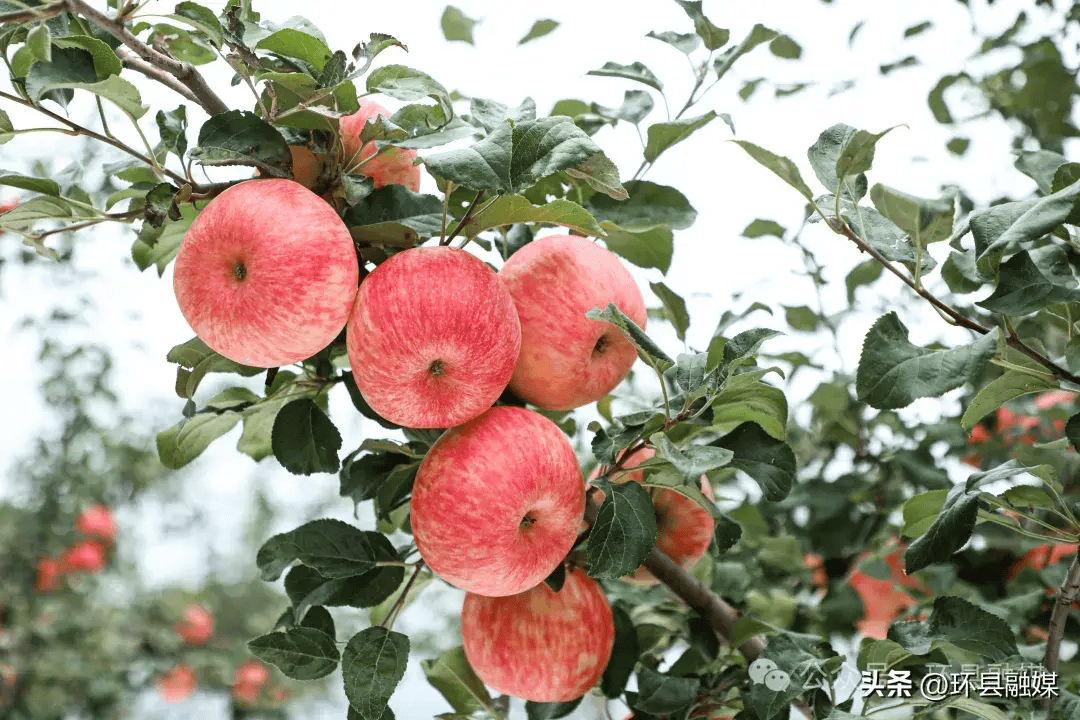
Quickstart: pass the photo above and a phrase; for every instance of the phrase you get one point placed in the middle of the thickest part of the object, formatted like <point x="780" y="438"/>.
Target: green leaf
<point x="883" y="235"/>
<point x="44" y="186"/>
<point x="663" y="135"/>
<point x="158" y="205"/>
<point x="185" y="441"/>
<point x="200" y="360"/>
<point x="921" y="511"/>
<point x="299" y="45"/>
<point x="405" y="83"/>
<point x="694" y="461"/>
<point x="685" y="43"/>
<point x="801" y="318"/>
<point x="842" y="152"/>
<point x="539" y="29"/>
<point x="957" y="623"/>
<point x="200" y="18"/>
<point x="457" y="26"/>
<point x="746" y="399"/>
<point x="514" y="157"/>
<point x="926" y="220"/>
<point x="635" y="71"/>
<point x="6" y="128"/>
<point x="301" y="653"/>
<point x="158" y="246"/>
<point x="647" y="206"/>
<point x="648" y="351"/>
<point x="491" y="114"/>
<point x="757" y="35"/>
<point x="238" y="137"/>
<point x="550" y="710"/>
<point x="308" y="589"/>
<point x="1043" y="216"/>
<point x="624" y="532"/>
<point x="372" y="665"/>
<point x="893" y="372"/>
<point x="663" y="694"/>
<point x="636" y="106"/>
<point x="1023" y="289"/>
<point x="782" y="46"/>
<point x="674" y="308"/>
<point x="1000" y="391"/>
<point x="106" y="62"/>
<point x="601" y="174"/>
<point x="648" y="247"/>
<point x="713" y="37"/>
<point x="39" y="42"/>
<point x="452" y="676"/>
<point x="395" y="215"/>
<point x="73" y="69"/>
<point x="333" y="548"/>
<point x="304" y="440"/>
<point x="1040" y="166"/>
<point x="947" y="534"/>
<point x="624" y="654"/>
<point x="510" y="209"/>
<point x="782" y="166"/>
<point x="770" y="462"/>
<point x="759" y="228"/>
<point x="172" y="127"/>
<point x="690" y="371"/>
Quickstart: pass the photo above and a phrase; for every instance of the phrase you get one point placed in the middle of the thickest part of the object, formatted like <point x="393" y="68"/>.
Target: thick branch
<point x="1013" y="340"/>
<point x="182" y="71"/>
<point x="134" y="63"/>
<point x="1060" y="614"/>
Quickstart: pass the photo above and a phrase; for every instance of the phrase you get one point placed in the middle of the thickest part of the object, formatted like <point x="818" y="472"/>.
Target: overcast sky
<point x="135" y="313"/>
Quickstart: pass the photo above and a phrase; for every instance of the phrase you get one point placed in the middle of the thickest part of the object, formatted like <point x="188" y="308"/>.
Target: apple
<point x="86" y="556"/>
<point x="881" y="599"/>
<point x="306" y="166"/>
<point x="11" y="204"/>
<point x="248" y="681"/>
<point x="393" y="166"/>
<point x="97" y="521"/>
<point x="684" y="529"/>
<point x="48" y="575"/>
<point x="433" y="337"/>
<point x="540" y="645"/>
<point x="196" y="625"/>
<point x="1042" y="556"/>
<point x="177" y="684"/>
<point x="568" y="360"/>
<point x="267" y="273"/>
<point x="497" y="502"/>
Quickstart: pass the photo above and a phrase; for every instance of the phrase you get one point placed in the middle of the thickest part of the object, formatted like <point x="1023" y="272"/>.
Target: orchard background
<point x="947" y="449"/>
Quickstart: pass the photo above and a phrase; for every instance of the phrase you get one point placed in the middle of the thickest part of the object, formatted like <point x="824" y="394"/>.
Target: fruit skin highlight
<point x="267" y="273"/>
<point x="433" y="338"/>
<point x="540" y="645"/>
<point x="568" y="360"/>
<point x="498" y="502"/>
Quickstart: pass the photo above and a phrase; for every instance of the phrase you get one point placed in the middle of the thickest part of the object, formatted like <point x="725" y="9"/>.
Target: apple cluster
<point x="89" y="555"/>
<point x="268" y="275"/>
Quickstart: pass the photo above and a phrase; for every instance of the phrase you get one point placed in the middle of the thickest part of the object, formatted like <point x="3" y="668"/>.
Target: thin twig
<point x="79" y="129"/>
<point x="135" y="63"/>
<point x="38" y="13"/>
<point x="388" y="621"/>
<point x="1059" y="615"/>
<point x="465" y="219"/>
<point x="182" y="71"/>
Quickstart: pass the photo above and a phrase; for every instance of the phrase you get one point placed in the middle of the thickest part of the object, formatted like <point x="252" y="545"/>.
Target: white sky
<point x="136" y="316"/>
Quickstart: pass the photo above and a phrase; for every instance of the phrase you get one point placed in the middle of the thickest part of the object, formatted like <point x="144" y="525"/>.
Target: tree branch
<point x="1012" y="339"/>
<point x="38" y="13"/>
<point x="1060" y="614"/>
<point x="182" y="71"/>
<point x="464" y="219"/>
<point x="132" y="62"/>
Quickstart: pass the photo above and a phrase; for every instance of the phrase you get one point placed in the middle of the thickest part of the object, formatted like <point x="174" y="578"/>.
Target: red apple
<point x="97" y="521"/>
<point x="540" y="645"/>
<point x="568" y="360"/>
<point x="393" y="166"/>
<point x="48" y="575"/>
<point x="267" y="273"/>
<point x="881" y="599"/>
<point x="433" y="338"/>
<point x="196" y="625"/>
<point x="497" y="502"/>
<point x="1052" y="398"/>
<point x="684" y="529"/>
<point x="1040" y="557"/>
<point x="248" y="681"/>
<point x="176" y="685"/>
<point x="85" y="556"/>
<point x="11" y="204"/>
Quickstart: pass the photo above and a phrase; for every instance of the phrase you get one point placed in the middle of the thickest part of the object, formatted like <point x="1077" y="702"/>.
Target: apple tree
<point x="724" y="558"/>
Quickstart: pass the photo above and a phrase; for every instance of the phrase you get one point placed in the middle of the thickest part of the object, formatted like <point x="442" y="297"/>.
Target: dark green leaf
<point x="1040" y="166"/>
<point x="624" y="532"/>
<point x="405" y="83"/>
<point x="200" y="359"/>
<point x="624" y="654"/>
<point x="923" y="219"/>
<point x="74" y="69"/>
<point x="172" y="127"/>
<point x="301" y="653"/>
<point x="998" y="392"/>
<point x="768" y="461"/>
<point x="757" y="35"/>
<point x="956" y="622"/>
<point x="304" y="440"/>
<point x="663" y="135"/>
<point x="159" y="205"/>
<point x="33" y="184"/>
<point x="782" y="46"/>
<point x="674" y="308"/>
<point x="185" y="441"/>
<point x="238" y="137"/>
<point x="333" y="548"/>
<point x="948" y="533"/>
<point x="663" y="694"/>
<point x="692" y="462"/>
<point x="690" y="371"/>
<point x="511" y="209"/>
<point x="647" y="247"/>
<point x="648" y="350"/>
<point x="1023" y="289"/>
<point x="648" y="205"/>
<point x="759" y="228"/>
<point x="1042" y="217"/>
<point x="106" y="62"/>
<point x="782" y="166"/>
<point x="457" y="26"/>
<point x="893" y="372"/>
<point x="372" y="665"/>
<point x="452" y="676"/>
<point x="714" y="37"/>
<point x="636" y="106"/>
<point x="884" y="236"/>
<point x="550" y="710"/>
<point x="299" y="45"/>
<point x="395" y="215"/>
<point x="539" y="29"/>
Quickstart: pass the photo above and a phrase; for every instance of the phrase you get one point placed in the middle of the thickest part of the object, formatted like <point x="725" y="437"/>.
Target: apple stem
<point x="1059" y="616"/>
<point x="468" y="216"/>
